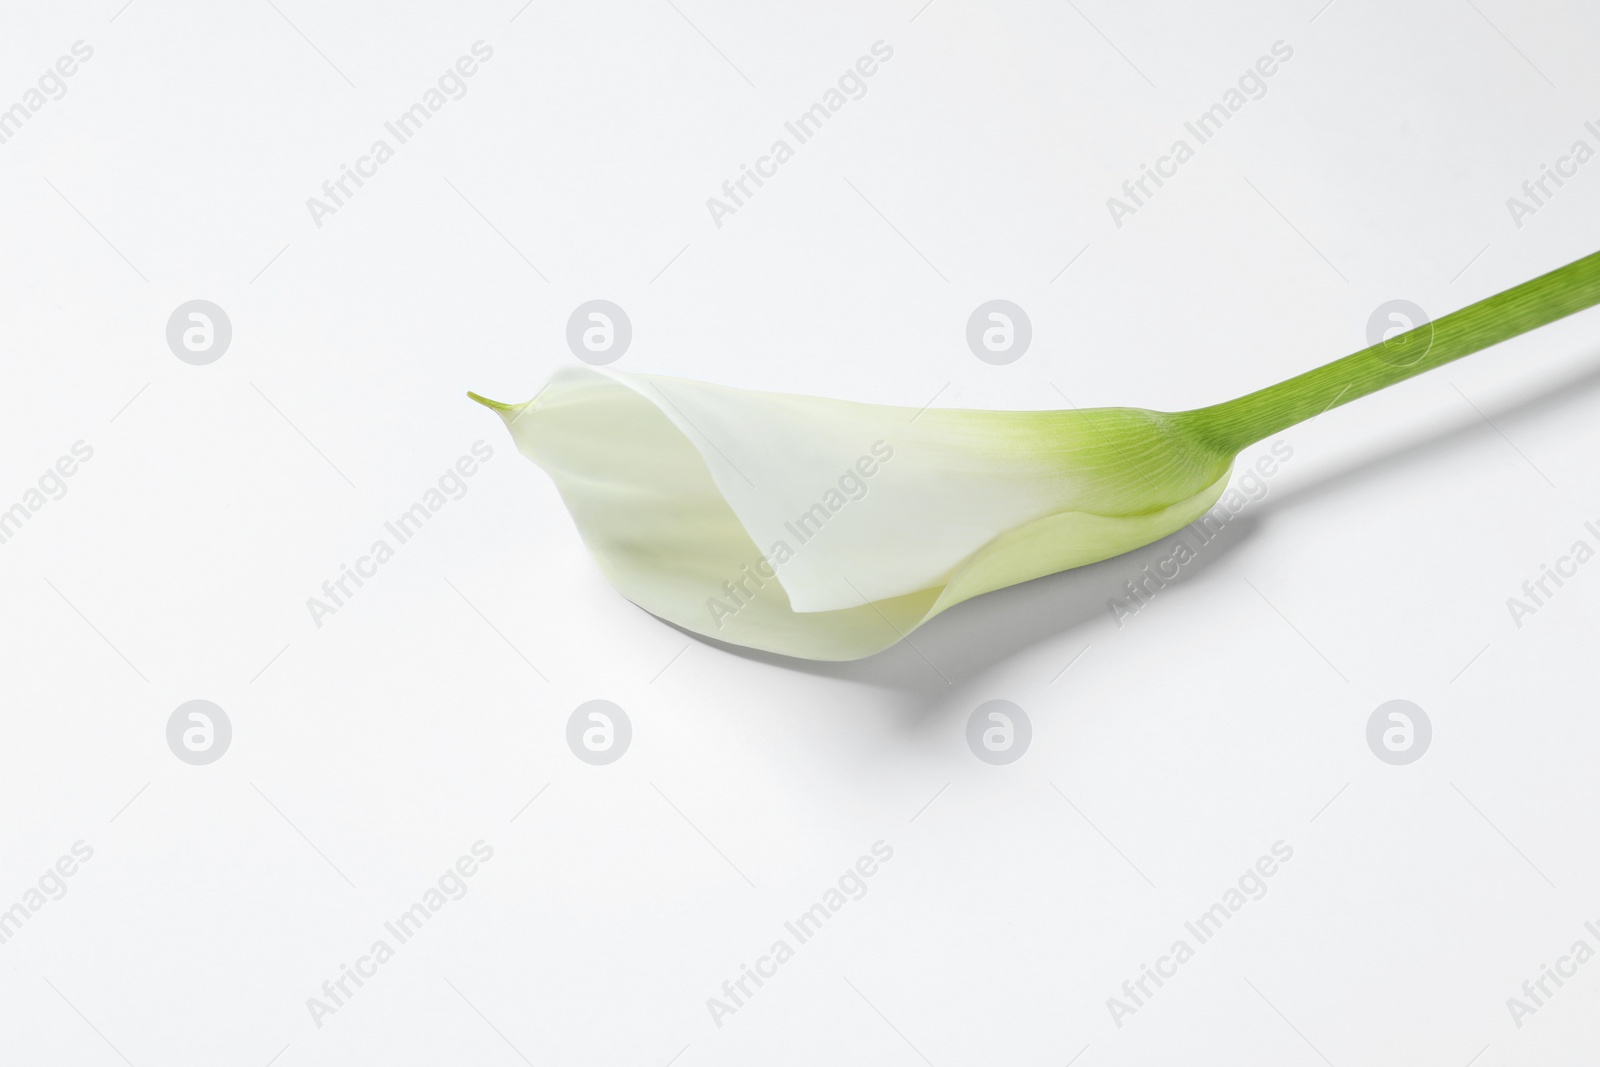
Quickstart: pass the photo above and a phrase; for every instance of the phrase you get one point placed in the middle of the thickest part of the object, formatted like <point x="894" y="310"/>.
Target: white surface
<point x="374" y="751"/>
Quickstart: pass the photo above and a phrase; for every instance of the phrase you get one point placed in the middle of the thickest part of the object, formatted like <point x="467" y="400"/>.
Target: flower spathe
<point x="828" y="529"/>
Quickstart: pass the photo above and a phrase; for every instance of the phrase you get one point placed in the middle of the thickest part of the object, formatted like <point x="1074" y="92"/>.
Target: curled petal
<point x="827" y="529"/>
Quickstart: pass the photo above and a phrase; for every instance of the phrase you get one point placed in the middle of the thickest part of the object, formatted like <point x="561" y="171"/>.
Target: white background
<point x="368" y="754"/>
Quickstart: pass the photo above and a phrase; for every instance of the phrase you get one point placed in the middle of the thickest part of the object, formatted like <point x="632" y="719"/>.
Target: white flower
<point x="827" y="529"/>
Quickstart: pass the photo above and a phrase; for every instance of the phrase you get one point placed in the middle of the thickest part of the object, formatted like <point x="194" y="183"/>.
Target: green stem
<point x="1236" y="423"/>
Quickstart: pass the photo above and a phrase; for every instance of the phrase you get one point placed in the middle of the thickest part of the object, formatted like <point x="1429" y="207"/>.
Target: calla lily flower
<point x="828" y="529"/>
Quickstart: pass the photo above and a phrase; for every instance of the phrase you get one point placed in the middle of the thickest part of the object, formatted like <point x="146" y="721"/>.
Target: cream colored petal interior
<point x="837" y="482"/>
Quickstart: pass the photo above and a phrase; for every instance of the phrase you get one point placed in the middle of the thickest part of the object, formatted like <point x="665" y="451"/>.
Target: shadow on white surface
<point x="959" y="646"/>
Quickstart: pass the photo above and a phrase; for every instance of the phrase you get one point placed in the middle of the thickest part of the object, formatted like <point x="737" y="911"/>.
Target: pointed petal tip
<point x="493" y="405"/>
<point x="509" y="413"/>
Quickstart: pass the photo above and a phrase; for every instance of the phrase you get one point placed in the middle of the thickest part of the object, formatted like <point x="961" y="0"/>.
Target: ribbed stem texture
<point x="1236" y="423"/>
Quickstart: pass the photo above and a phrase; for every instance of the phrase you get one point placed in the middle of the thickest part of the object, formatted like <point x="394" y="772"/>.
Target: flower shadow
<point x="956" y="649"/>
